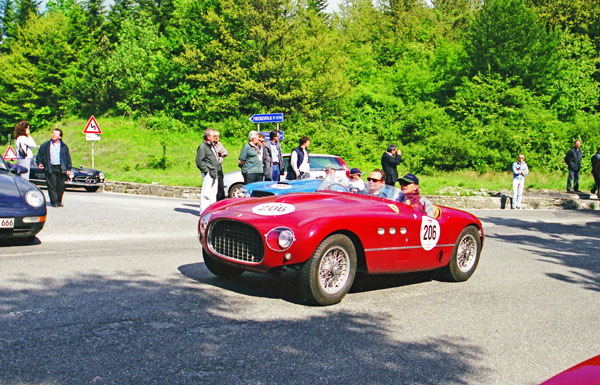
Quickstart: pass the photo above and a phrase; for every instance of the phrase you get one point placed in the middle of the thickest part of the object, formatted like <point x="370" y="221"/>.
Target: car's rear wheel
<point x="328" y="275"/>
<point x="465" y="255"/>
<point x="235" y="191"/>
<point x="92" y="188"/>
<point x="220" y="269"/>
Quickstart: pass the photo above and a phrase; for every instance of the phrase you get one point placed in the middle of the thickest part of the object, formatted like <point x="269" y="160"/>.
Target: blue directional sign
<point x="267" y="118"/>
<point x="267" y="135"/>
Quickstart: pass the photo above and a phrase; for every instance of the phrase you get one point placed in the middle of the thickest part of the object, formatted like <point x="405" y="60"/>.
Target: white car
<point x="233" y="181"/>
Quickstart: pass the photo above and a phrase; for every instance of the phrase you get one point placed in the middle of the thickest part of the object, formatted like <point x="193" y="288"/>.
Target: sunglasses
<point x="374" y="180"/>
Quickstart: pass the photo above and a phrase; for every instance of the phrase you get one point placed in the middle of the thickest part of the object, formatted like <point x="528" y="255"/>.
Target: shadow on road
<point x="193" y="209"/>
<point x="97" y="329"/>
<point x="554" y="247"/>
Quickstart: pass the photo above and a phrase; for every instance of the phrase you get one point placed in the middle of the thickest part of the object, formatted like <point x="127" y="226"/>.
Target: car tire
<point x="235" y="191"/>
<point x="92" y="188"/>
<point x="465" y="256"/>
<point x="220" y="269"/>
<point x="329" y="273"/>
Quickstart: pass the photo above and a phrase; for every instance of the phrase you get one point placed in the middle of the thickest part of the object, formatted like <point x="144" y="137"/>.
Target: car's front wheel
<point x="328" y="275"/>
<point x="92" y="188"/>
<point x="220" y="269"/>
<point x="465" y="255"/>
<point x="235" y="191"/>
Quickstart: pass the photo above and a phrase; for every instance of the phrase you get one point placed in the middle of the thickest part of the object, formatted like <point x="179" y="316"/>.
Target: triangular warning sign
<point x="10" y="154"/>
<point x="92" y="126"/>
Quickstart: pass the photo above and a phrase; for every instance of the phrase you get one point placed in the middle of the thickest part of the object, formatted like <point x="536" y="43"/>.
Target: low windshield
<point x="387" y="192"/>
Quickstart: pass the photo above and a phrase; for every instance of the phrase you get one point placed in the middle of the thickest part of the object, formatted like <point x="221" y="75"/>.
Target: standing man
<point x="275" y="157"/>
<point x="520" y="171"/>
<point x="596" y="172"/>
<point x="206" y="161"/>
<point x="55" y="159"/>
<point x="389" y="163"/>
<point x="221" y="153"/>
<point x="573" y="160"/>
<point x="250" y="159"/>
<point x="299" y="160"/>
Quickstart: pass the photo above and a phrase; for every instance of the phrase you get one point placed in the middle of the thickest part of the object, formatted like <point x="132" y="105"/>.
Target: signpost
<point x="92" y="133"/>
<point x="267" y="118"/>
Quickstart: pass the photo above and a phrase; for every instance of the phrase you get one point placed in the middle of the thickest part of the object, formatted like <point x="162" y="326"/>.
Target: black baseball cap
<point x="408" y="179"/>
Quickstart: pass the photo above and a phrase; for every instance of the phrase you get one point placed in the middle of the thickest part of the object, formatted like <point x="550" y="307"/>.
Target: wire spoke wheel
<point x="466" y="254"/>
<point x="334" y="269"/>
<point x="329" y="273"/>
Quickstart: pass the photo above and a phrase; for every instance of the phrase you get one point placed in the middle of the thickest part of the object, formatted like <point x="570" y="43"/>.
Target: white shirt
<point x="27" y="143"/>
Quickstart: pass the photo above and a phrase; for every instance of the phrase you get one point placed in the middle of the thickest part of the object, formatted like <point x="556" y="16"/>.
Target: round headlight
<point x="285" y="239"/>
<point x="244" y="193"/>
<point x="35" y="198"/>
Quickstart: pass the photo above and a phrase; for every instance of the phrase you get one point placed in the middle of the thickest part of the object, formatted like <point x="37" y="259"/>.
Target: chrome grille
<point x="236" y="240"/>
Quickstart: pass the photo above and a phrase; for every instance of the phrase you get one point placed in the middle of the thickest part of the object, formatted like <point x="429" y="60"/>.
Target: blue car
<point x="22" y="206"/>
<point x="266" y="188"/>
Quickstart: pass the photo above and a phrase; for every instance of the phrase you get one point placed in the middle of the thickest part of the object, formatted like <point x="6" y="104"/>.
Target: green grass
<point x="127" y="150"/>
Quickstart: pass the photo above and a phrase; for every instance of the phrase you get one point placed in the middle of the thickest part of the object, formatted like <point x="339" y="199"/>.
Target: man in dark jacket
<point x="299" y="160"/>
<point x="389" y="163"/>
<point x="573" y="160"/>
<point x="55" y="159"/>
<point x="596" y="171"/>
<point x="206" y="161"/>
<point x="272" y="157"/>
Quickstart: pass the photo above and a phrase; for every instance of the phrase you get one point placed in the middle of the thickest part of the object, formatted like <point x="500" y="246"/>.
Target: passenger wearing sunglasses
<point x="409" y="184"/>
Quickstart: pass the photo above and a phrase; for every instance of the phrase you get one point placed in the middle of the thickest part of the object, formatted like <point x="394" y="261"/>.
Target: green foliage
<point x="462" y="86"/>
<point x="505" y="38"/>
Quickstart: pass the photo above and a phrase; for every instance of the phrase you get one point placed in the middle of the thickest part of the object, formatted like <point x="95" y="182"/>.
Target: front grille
<point x="259" y="193"/>
<point x="236" y="240"/>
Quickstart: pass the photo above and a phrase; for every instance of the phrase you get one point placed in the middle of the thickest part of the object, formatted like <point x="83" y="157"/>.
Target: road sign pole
<point x="92" y="154"/>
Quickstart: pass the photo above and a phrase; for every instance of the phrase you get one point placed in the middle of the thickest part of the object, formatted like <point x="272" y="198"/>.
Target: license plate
<point x="7" y="223"/>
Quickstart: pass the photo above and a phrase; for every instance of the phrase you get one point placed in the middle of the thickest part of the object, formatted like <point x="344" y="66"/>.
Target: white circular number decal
<point x="430" y="232"/>
<point x="273" y="209"/>
<point x="281" y="186"/>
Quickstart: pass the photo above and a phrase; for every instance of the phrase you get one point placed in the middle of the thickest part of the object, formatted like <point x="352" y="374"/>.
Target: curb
<point x="531" y="199"/>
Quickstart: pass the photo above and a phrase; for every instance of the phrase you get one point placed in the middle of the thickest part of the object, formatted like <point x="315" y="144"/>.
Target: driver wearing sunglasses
<point x="376" y="182"/>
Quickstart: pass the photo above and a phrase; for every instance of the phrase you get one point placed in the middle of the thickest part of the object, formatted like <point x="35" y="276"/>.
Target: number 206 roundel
<point x="430" y="232"/>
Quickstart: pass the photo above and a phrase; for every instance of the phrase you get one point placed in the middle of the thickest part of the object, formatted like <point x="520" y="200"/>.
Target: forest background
<point x="461" y="86"/>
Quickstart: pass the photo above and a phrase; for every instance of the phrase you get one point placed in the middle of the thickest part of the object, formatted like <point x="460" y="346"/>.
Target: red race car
<point x="331" y="234"/>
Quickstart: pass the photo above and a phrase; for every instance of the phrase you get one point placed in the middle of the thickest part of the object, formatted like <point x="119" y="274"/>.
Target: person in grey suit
<point x="272" y="157"/>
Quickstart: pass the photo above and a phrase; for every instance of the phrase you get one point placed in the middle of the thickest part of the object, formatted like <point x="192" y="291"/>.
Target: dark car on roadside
<point x="22" y="206"/>
<point x="88" y="178"/>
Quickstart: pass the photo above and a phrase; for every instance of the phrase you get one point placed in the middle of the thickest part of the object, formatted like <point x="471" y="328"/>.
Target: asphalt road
<point x="116" y="292"/>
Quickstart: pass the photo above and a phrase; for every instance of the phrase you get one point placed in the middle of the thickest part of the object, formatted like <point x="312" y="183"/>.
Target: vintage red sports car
<point x="330" y="235"/>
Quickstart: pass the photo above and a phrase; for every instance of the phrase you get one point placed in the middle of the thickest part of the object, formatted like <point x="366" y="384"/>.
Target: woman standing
<point x="520" y="170"/>
<point x="24" y="145"/>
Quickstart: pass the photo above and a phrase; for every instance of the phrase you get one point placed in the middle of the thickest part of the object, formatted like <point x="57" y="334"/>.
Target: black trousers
<point x="220" y="187"/>
<point x="56" y="185"/>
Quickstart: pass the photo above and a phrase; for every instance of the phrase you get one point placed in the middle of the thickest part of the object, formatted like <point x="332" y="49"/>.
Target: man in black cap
<point x="409" y="185"/>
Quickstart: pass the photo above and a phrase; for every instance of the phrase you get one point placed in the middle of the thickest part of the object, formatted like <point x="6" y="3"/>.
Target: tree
<point x="506" y="39"/>
<point x="265" y="55"/>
